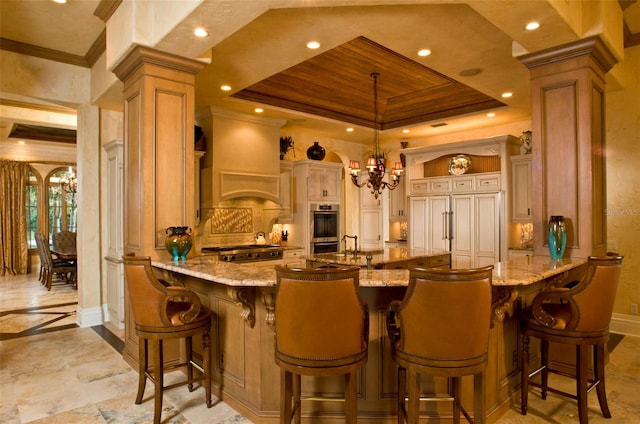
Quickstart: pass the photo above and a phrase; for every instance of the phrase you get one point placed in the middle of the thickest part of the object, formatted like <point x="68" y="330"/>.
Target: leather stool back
<point x="441" y="328"/>
<point x="321" y="329"/>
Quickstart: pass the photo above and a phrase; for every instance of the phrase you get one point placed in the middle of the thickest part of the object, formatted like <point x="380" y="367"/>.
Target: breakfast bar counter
<point x="241" y="297"/>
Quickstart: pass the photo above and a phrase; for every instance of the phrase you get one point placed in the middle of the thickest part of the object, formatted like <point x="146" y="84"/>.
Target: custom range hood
<point x="242" y="160"/>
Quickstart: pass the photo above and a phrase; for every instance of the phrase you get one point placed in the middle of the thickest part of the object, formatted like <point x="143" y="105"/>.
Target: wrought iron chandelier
<point x="375" y="164"/>
<point x="69" y="181"/>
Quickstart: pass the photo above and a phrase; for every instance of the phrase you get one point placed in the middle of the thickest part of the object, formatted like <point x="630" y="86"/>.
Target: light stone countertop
<point x="519" y="271"/>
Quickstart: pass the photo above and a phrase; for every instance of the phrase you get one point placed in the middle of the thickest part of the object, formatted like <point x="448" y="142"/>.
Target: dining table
<point x="70" y="254"/>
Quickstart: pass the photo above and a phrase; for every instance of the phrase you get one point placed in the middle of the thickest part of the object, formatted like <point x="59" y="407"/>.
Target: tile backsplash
<point x="237" y="221"/>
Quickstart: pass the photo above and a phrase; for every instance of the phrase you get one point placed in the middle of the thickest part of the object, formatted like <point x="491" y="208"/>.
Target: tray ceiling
<point x="337" y="84"/>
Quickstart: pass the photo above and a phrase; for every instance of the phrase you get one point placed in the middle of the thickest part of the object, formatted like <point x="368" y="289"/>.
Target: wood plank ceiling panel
<point x="337" y="84"/>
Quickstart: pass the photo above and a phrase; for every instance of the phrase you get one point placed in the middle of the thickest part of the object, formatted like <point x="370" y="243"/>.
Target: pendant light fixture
<point x="375" y="163"/>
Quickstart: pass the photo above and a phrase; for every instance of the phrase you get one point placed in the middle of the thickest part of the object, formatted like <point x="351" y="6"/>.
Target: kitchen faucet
<point x="355" y="249"/>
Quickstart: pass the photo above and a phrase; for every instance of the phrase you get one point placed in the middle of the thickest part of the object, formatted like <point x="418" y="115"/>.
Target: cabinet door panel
<point x="397" y="202"/>
<point x="521" y="189"/>
<point x="371" y="229"/>
<point x="438" y="224"/>
<point x="462" y="223"/>
<point x="417" y="229"/>
<point x="487" y="228"/>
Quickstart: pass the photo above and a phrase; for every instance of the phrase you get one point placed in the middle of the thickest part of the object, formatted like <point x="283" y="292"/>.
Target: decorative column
<point x="159" y="102"/>
<point x="567" y="114"/>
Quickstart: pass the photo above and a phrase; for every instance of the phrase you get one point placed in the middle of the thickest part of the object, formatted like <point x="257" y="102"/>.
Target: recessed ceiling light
<point x="491" y="115"/>
<point x="258" y="110"/>
<point x="349" y="129"/>
<point x="507" y="94"/>
<point x="60" y="1"/>
<point x="532" y="25"/>
<point x="424" y="52"/>
<point x="313" y="45"/>
<point x="225" y="87"/>
<point x="406" y="131"/>
<point x="200" y="32"/>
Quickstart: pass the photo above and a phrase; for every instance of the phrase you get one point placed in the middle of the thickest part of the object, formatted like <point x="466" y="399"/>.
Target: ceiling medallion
<point x="375" y="164"/>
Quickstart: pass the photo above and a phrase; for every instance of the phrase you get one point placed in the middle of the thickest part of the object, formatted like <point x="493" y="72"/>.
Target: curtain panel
<point x="13" y="221"/>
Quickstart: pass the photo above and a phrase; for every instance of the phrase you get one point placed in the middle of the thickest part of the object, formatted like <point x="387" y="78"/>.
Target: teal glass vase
<point x="178" y="242"/>
<point x="557" y="237"/>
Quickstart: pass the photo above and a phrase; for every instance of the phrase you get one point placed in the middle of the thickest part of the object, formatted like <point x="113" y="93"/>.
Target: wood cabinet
<point x="293" y="258"/>
<point x="521" y="188"/>
<point x="314" y="182"/>
<point x="371" y="224"/>
<point x="323" y="182"/>
<point x="398" y="203"/>
<point x="519" y="253"/>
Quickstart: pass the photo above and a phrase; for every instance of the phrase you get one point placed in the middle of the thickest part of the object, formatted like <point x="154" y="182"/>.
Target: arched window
<point x="33" y="202"/>
<point x="61" y="193"/>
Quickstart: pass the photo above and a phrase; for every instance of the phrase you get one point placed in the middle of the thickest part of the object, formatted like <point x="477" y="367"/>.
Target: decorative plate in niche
<point x="459" y="164"/>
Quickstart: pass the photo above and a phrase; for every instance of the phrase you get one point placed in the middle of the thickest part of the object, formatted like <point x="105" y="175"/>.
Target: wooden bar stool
<point x="441" y="328"/>
<point x="321" y="329"/>
<point x="162" y="312"/>
<point x="579" y="316"/>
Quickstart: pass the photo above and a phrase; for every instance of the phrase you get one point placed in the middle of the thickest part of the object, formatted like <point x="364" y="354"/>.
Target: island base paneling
<point x="247" y="378"/>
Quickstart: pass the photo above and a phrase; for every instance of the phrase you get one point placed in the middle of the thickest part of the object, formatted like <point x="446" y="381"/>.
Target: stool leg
<point x="582" y="363"/>
<point x="188" y="350"/>
<point x="478" y="398"/>
<point x="297" y="403"/>
<point x="285" y="396"/>
<point x="402" y="394"/>
<point x="142" y="368"/>
<point x="544" y="374"/>
<point x="413" y="405"/>
<point x="598" y="370"/>
<point x="206" y="365"/>
<point x="158" y="376"/>
<point x="454" y="391"/>
<point x="351" y="398"/>
<point x="524" y="374"/>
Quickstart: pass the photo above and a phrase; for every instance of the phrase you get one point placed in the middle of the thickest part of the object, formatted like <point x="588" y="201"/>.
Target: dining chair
<point x="50" y="266"/>
<point x="64" y="241"/>
<point x="441" y="328"/>
<point x="321" y="329"/>
<point x="578" y="315"/>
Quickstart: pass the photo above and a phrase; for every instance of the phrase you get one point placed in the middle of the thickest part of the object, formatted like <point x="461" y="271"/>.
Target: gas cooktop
<point x="239" y="247"/>
<point x="246" y="252"/>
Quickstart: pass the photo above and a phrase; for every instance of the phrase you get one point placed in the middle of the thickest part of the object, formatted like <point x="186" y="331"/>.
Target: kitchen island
<point x="241" y="297"/>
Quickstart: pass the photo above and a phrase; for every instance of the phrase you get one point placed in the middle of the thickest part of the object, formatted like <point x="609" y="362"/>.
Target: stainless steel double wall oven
<point x="325" y="227"/>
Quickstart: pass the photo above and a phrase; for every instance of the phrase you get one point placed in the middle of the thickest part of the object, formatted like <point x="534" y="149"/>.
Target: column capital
<point x="592" y="46"/>
<point x="142" y="55"/>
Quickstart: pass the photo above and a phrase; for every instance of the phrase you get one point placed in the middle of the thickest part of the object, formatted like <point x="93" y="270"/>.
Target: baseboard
<point x="625" y="324"/>
<point x="111" y="318"/>
<point x="88" y="317"/>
